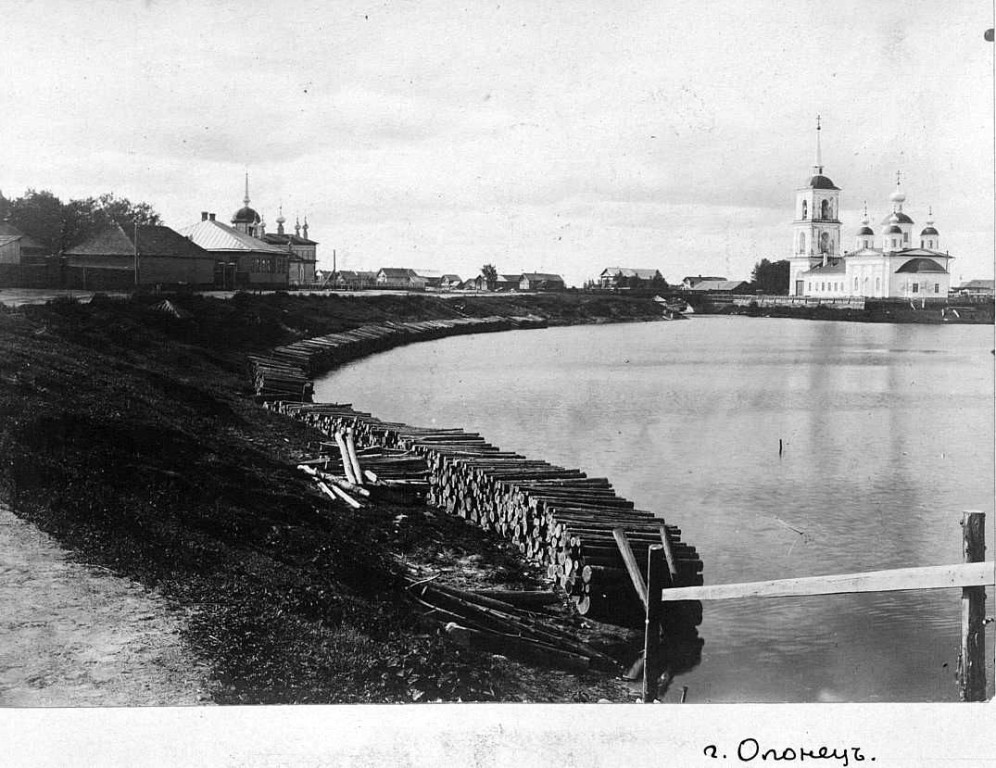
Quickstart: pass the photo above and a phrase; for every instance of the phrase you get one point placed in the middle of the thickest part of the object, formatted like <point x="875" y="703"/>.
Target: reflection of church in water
<point x="894" y="266"/>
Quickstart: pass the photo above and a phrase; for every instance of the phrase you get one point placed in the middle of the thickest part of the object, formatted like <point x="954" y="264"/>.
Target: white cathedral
<point x="896" y="268"/>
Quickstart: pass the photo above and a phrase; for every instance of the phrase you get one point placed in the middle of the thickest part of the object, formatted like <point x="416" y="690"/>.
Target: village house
<point x="242" y="260"/>
<point x="149" y="255"/>
<point x="541" y="281"/>
<point x="976" y="288"/>
<point x="17" y="247"/>
<point x="689" y="282"/>
<point x="627" y="277"/>
<point x="718" y="285"/>
<point x="450" y="282"/>
<point x="400" y="278"/>
<point x="506" y="283"/>
<point x="351" y="280"/>
<point x="433" y="278"/>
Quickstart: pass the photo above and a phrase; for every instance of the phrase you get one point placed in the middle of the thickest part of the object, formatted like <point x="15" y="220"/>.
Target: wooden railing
<point x="973" y="576"/>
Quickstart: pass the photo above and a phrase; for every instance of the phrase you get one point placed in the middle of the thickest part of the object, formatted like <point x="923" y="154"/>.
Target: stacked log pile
<point x="284" y="372"/>
<point x="558" y="517"/>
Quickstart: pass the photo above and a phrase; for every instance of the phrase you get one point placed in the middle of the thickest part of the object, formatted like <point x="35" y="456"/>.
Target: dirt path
<point x="73" y="635"/>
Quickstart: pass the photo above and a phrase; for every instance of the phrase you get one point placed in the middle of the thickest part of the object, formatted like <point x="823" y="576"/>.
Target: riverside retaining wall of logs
<point x="285" y="372"/>
<point x="558" y="517"/>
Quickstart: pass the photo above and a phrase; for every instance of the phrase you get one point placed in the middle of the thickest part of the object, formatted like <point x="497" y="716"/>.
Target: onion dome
<point x="929" y="229"/>
<point x="280" y="216"/>
<point x="246" y="215"/>
<point x="866" y="230"/>
<point x="898" y="196"/>
<point x="897" y="217"/>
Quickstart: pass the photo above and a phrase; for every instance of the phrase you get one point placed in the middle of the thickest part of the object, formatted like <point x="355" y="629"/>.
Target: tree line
<point x="60" y="226"/>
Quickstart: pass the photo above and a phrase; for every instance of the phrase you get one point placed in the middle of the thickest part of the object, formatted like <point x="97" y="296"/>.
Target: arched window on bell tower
<point x="825" y="209"/>
<point x="805" y="208"/>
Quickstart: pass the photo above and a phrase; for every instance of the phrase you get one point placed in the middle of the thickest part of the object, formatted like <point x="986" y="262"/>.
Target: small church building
<point x="895" y="263"/>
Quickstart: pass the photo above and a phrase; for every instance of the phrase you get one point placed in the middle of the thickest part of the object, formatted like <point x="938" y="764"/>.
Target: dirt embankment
<point x="79" y="636"/>
<point x="129" y="436"/>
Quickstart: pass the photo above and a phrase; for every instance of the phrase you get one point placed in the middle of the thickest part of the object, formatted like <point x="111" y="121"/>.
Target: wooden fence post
<point x="972" y="670"/>
<point x="656" y="574"/>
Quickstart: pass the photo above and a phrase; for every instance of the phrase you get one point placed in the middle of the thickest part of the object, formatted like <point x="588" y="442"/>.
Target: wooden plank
<point x="972" y="669"/>
<point x="929" y="577"/>
<point x="631" y="566"/>
<point x="656" y="577"/>
<point x="672" y="563"/>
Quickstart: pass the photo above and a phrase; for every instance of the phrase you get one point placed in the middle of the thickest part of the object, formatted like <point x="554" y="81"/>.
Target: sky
<point x="538" y="136"/>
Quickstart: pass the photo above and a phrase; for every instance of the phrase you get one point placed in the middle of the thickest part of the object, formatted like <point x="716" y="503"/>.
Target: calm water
<point x="888" y="437"/>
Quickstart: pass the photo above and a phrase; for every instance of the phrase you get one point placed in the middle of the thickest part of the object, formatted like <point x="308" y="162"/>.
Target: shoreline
<point x="292" y="599"/>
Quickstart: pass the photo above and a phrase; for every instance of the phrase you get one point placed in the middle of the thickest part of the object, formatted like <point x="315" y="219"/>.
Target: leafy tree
<point x="61" y="225"/>
<point x="84" y="218"/>
<point x="490" y="275"/>
<point x="39" y="215"/>
<point x="771" y="276"/>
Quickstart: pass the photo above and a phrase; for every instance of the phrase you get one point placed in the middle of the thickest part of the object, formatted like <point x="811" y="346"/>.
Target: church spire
<point x="818" y="168"/>
<point x="246" y="198"/>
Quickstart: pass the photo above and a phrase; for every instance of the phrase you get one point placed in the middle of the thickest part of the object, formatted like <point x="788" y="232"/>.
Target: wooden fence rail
<point x="973" y="576"/>
<point x="930" y="577"/>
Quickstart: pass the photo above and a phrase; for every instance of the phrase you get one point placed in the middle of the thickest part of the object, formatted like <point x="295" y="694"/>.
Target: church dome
<point x="246" y="215"/>
<point x="898" y="196"/>
<point x="929" y="231"/>
<point x="820" y="182"/>
<point x="894" y="230"/>
<point x="897" y="218"/>
<point x="866" y="231"/>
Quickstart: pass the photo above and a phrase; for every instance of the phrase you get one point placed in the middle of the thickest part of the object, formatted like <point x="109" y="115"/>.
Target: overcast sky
<point x="539" y="136"/>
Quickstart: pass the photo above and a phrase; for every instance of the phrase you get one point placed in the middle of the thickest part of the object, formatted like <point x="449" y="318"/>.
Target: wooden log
<point x="347" y="465"/>
<point x="631" y="564"/>
<point x="972" y="667"/>
<point x="342" y="495"/>
<point x="354" y="462"/>
<point x="653" y="663"/>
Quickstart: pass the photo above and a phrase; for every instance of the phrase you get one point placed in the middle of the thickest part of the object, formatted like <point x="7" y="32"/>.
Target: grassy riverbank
<point x="130" y="436"/>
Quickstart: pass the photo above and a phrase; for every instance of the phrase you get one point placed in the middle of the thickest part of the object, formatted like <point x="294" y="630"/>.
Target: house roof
<point x="215" y="236"/>
<point x="920" y="265"/>
<point x="275" y="238"/>
<point x="509" y="278"/>
<point x="979" y="284"/>
<point x="540" y="276"/>
<point x="717" y="285"/>
<point x="693" y="279"/>
<point x="452" y="278"/>
<point x="5" y="239"/>
<point x="153" y="240"/>
<point x="642" y="274"/>
<point x="835" y="267"/>
<point x="397" y="272"/>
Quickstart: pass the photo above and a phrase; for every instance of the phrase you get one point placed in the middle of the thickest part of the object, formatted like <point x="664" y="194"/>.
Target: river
<point x="886" y="434"/>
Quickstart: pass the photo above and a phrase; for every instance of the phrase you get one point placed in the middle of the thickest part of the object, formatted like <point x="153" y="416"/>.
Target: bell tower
<point x="816" y="226"/>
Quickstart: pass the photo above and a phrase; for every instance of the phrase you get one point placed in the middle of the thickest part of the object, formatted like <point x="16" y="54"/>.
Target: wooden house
<point x="541" y="281"/>
<point x="148" y="255"/>
<point x="242" y="261"/>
